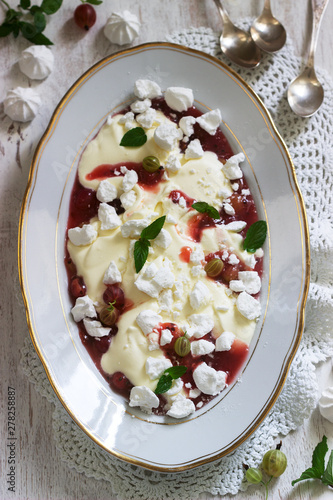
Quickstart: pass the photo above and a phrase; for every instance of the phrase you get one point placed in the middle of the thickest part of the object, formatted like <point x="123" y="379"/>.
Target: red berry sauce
<point x="147" y="180"/>
<point x="84" y="206"/>
<point x="230" y="362"/>
<point x="185" y="254"/>
<point x="176" y="195"/>
<point x="216" y="143"/>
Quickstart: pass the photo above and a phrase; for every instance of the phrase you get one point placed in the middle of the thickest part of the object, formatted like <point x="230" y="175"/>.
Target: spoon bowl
<point x="267" y="32"/>
<point x="305" y="93"/>
<point x="236" y="44"/>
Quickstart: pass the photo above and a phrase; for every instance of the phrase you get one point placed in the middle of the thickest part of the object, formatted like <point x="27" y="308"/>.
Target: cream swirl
<point x="326" y="404"/>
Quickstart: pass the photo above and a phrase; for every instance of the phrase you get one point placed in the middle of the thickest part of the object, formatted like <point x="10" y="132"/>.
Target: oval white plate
<point x="218" y="428"/>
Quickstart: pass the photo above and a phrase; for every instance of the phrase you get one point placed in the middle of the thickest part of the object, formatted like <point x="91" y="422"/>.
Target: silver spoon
<point x="267" y="32"/>
<point x="305" y="93"/>
<point x="236" y="44"/>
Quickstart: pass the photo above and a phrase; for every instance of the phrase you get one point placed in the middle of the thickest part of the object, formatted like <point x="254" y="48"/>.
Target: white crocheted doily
<point x="310" y="145"/>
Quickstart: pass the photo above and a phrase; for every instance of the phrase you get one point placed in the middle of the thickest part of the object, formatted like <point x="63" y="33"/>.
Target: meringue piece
<point x="326" y="404"/>
<point x="179" y="98"/>
<point x="167" y="136"/>
<point x="186" y="124"/>
<point x="122" y="27"/>
<point x="36" y="62"/>
<point x="22" y="104"/>
<point x="147" y="89"/>
<point x="210" y="121"/>
<point x="194" y="150"/>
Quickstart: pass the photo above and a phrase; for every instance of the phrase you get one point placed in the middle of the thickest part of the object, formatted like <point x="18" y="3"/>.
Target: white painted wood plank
<point x="40" y="472"/>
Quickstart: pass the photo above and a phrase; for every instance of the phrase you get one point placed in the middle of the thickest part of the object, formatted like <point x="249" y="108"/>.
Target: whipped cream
<point x="122" y="27"/>
<point x="22" y="104"/>
<point x="168" y="289"/>
<point x="36" y="62"/>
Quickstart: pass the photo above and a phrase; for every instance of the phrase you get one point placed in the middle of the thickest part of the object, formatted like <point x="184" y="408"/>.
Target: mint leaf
<point x="93" y="2"/>
<point x="176" y="371"/>
<point x="310" y="473"/>
<point x="141" y="247"/>
<point x="39" y="21"/>
<point x="153" y="230"/>
<point x="32" y="31"/>
<point x="318" y="457"/>
<point x="255" y="236"/>
<point x="28" y="30"/>
<point x="318" y="471"/>
<point x="16" y="30"/>
<point x="6" y="29"/>
<point x="328" y="473"/>
<point x="12" y="15"/>
<point x="25" y="4"/>
<point x="164" y="384"/>
<point x="134" y="138"/>
<point x="141" y="250"/>
<point x="170" y="374"/>
<point x="40" y="39"/>
<point x="35" y="9"/>
<point x="205" y="208"/>
<point x="50" y="6"/>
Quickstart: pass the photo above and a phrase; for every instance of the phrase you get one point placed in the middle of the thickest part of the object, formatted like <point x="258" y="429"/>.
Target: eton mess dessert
<point x="164" y="253"/>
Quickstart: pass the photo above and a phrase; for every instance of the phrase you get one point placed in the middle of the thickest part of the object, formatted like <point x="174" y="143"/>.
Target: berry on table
<point x="85" y="16"/>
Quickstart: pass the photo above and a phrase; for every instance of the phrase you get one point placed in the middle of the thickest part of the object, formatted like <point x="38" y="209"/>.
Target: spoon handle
<point x="267" y="6"/>
<point x="318" y="9"/>
<point x="222" y="11"/>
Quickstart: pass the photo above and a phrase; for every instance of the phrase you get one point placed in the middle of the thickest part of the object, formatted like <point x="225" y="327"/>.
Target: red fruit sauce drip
<point x="84" y="206"/>
<point x="185" y="254"/>
<point x="176" y="194"/>
<point x="147" y="180"/>
<point x="216" y="143"/>
<point x="230" y="362"/>
<point x="245" y="209"/>
<point x="230" y="271"/>
<point x="197" y="224"/>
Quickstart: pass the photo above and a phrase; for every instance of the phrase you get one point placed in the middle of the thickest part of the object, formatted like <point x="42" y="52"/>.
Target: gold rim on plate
<point x="302" y="223"/>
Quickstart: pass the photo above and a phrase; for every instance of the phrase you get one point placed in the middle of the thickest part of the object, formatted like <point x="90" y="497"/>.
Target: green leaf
<point x="176" y="371"/>
<point x="205" y="208"/>
<point x="16" y="30"/>
<point x="134" y="138"/>
<point x="35" y="9"/>
<point x="141" y="250"/>
<point x="152" y="231"/>
<point x="141" y="247"/>
<point x="318" y="457"/>
<point x="39" y="21"/>
<point x="328" y="473"/>
<point x="255" y="236"/>
<point x="12" y="15"/>
<point x="93" y="2"/>
<point x="28" y="30"/>
<point x="40" y="39"/>
<point x="25" y="4"/>
<point x="51" y="6"/>
<point x="170" y="374"/>
<point x="310" y="473"/>
<point x="6" y="29"/>
<point x="164" y="384"/>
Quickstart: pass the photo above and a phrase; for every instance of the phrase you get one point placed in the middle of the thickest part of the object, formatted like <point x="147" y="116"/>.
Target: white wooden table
<point x="40" y="473"/>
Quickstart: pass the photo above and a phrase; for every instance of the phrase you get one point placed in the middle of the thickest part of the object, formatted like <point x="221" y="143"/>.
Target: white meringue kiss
<point x="121" y="28"/>
<point x="326" y="404"/>
<point x="22" y="104"/>
<point x="36" y="62"/>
